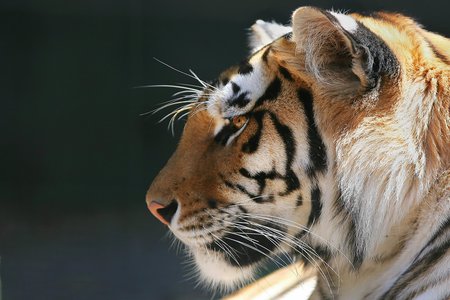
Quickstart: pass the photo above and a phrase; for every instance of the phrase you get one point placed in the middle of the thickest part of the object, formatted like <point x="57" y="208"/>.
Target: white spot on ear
<point x="347" y="22"/>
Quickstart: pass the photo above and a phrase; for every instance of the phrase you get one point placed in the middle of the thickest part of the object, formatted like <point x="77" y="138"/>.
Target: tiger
<point x="329" y="143"/>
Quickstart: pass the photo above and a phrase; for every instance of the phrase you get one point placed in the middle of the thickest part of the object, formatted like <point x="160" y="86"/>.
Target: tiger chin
<point x="330" y="145"/>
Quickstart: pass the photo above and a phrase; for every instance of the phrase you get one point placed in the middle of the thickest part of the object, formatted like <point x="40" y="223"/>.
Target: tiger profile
<point x="330" y="144"/>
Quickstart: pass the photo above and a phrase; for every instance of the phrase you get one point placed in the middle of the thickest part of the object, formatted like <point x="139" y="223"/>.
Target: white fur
<point x="213" y="270"/>
<point x="264" y="33"/>
<point x="347" y="22"/>
<point x="383" y="190"/>
<point x="253" y="83"/>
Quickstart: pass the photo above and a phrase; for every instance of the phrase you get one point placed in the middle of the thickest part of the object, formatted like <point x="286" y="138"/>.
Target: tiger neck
<point x="373" y="184"/>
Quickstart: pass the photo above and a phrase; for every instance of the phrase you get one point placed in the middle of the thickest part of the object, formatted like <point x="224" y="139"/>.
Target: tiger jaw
<point x="228" y="253"/>
<point x="215" y="271"/>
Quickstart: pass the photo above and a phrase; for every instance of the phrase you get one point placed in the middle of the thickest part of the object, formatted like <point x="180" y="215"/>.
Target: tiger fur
<point x="331" y="143"/>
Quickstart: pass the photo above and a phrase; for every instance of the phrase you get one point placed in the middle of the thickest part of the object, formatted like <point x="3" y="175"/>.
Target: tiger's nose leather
<point x="163" y="213"/>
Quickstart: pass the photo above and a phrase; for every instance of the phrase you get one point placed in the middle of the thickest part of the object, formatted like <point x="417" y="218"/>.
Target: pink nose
<point x="163" y="213"/>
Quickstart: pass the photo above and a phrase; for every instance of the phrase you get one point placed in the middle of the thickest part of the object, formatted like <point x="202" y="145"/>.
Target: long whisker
<point x="172" y="104"/>
<point x="282" y="221"/>
<point x="310" y="252"/>
<point x="173" y="68"/>
<point x="192" y="75"/>
<point x="268" y="232"/>
<point x="290" y="237"/>
<point x="203" y="83"/>
<point x="168" y="86"/>
<point x="192" y="85"/>
<point x="241" y="227"/>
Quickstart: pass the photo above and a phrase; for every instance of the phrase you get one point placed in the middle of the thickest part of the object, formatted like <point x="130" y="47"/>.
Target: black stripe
<point x="348" y="218"/>
<point x="427" y="285"/>
<point x="292" y="183"/>
<point x="237" y="99"/>
<point x="240" y="188"/>
<point x="439" y="232"/>
<point x="291" y="179"/>
<point x="266" y="54"/>
<point x="253" y="142"/>
<point x="286" y="74"/>
<point x="225" y="133"/>
<point x="241" y="101"/>
<point x="236" y="88"/>
<point x="437" y="53"/>
<point x="356" y="252"/>
<point x="288" y="139"/>
<point x="444" y="58"/>
<point x="245" y="68"/>
<point x="317" y="153"/>
<point x="421" y="265"/>
<point x="316" y="206"/>
<point x="271" y="93"/>
<point x="260" y="177"/>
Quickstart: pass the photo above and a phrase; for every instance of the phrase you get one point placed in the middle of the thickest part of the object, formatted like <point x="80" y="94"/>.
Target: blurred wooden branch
<point x="291" y="282"/>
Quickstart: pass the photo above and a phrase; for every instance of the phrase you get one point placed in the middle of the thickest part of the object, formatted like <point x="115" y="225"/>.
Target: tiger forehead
<point x="241" y="86"/>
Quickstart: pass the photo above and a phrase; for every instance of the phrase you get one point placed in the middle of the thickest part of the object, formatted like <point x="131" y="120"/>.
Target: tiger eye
<point x="239" y="121"/>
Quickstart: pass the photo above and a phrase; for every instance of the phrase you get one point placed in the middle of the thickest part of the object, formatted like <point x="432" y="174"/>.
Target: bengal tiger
<point x="330" y="143"/>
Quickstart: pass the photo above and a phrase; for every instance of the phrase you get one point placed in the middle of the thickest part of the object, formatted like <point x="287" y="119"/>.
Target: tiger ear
<point x="340" y="52"/>
<point x="263" y="33"/>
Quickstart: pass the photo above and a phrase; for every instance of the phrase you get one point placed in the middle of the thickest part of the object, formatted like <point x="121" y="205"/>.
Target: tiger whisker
<point x="224" y="246"/>
<point x="168" y="104"/>
<point x="291" y="238"/>
<point x="193" y="75"/>
<point x="273" y="219"/>
<point x="169" y="86"/>
<point x="269" y="231"/>
<point x="178" y="110"/>
<point x="310" y="252"/>
<point x="241" y="227"/>
<point x="172" y="104"/>
<point x="253" y="248"/>
<point x="282" y="221"/>
<point x="282" y="235"/>
<point x="203" y="83"/>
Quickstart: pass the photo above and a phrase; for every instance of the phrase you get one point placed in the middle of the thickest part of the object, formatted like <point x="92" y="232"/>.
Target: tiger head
<point x="277" y="155"/>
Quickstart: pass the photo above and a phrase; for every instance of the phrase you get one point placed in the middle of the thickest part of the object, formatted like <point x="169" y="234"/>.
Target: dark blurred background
<point x="76" y="157"/>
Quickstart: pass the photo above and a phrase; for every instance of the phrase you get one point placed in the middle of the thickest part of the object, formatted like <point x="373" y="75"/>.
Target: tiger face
<point x="239" y="175"/>
<point x="261" y="168"/>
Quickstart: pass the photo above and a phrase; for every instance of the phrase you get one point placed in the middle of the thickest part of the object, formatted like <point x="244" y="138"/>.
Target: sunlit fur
<point x="342" y="161"/>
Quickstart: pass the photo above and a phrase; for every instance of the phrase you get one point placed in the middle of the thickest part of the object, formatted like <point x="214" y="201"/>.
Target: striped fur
<point x="329" y="144"/>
